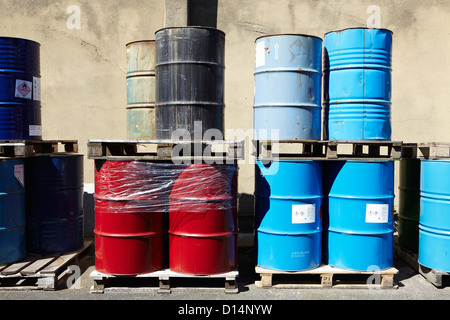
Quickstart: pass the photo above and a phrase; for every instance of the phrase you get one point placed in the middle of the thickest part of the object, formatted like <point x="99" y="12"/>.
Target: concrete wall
<point x="83" y="70"/>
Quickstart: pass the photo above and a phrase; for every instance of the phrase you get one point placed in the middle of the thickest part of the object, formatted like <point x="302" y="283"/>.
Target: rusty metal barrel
<point x="189" y="81"/>
<point x="141" y="89"/>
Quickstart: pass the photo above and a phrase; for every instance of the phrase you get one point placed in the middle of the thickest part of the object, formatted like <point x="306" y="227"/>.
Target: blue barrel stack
<point x="314" y="212"/>
<point x="40" y="190"/>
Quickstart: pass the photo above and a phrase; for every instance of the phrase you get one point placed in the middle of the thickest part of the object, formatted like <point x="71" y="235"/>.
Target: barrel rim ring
<point x="359" y="28"/>
<point x="139" y="41"/>
<point x="288" y="34"/>
<point x="56" y="155"/>
<point x="191" y="27"/>
<point x="21" y="39"/>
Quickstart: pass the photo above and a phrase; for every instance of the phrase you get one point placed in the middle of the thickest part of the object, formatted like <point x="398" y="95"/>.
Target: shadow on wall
<point x="89" y="213"/>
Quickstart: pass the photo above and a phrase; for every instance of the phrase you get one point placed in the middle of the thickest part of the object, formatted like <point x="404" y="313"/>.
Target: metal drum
<point x="409" y="204"/>
<point x="203" y="220"/>
<point x="20" y="89"/>
<point x="189" y="81"/>
<point x="434" y="222"/>
<point x="288" y="203"/>
<point x="360" y="198"/>
<point x="357" y="84"/>
<point x="141" y="59"/>
<point x="288" y="87"/>
<point x="12" y="211"/>
<point x="131" y="200"/>
<point x="54" y="204"/>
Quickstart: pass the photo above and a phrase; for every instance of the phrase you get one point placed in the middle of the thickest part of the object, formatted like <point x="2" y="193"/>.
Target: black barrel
<point x="189" y="81"/>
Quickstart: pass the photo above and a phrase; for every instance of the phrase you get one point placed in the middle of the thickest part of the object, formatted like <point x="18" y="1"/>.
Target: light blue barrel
<point x="288" y="87"/>
<point x="288" y="200"/>
<point x="360" y="229"/>
<point x="434" y="221"/>
<point x="12" y="211"/>
<point x="357" y="84"/>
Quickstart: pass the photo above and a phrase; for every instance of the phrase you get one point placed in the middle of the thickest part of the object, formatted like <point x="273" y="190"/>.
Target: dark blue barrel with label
<point x="20" y="89"/>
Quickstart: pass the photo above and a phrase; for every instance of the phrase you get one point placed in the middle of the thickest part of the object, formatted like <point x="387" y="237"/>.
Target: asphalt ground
<point x="411" y="291"/>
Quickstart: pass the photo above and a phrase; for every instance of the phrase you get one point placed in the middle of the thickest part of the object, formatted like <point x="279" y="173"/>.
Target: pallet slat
<point x="28" y="148"/>
<point x="164" y="276"/>
<point x="327" y="277"/>
<point x="327" y="150"/>
<point x="166" y="150"/>
<point x="43" y="270"/>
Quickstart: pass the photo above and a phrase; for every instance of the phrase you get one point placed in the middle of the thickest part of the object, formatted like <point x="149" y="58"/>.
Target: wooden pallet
<point x="427" y="150"/>
<point x="438" y="278"/>
<point x="162" y="281"/>
<point x="327" y="150"/>
<point x="39" y="272"/>
<point x="28" y="148"/>
<point x="326" y="277"/>
<point x="184" y="150"/>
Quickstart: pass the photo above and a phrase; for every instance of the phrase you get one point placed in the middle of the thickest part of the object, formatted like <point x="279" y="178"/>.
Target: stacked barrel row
<point x="154" y="214"/>
<point x="424" y="200"/>
<point x="40" y="196"/>
<point x="314" y="212"/>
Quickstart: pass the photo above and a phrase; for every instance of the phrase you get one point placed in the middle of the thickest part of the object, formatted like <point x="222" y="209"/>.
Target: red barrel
<point x="203" y="220"/>
<point x="131" y="198"/>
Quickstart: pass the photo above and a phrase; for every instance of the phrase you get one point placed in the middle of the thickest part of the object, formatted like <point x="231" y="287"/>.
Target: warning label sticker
<point x="23" y="89"/>
<point x="377" y="213"/>
<point x="36" y="89"/>
<point x="303" y="213"/>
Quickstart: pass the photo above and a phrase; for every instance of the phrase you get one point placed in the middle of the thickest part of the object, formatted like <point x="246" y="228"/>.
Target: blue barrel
<point x="360" y="198"/>
<point x="12" y="211"/>
<point x="357" y="84"/>
<point x="54" y="211"/>
<point x="288" y="218"/>
<point x="434" y="221"/>
<point x="20" y="89"/>
<point x="288" y="87"/>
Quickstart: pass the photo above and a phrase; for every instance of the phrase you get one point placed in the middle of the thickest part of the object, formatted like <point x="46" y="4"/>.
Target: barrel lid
<point x="288" y="34"/>
<point x="361" y="28"/>
<point x="19" y="39"/>
<point x="139" y="41"/>
<point x="201" y="181"/>
<point x="192" y="27"/>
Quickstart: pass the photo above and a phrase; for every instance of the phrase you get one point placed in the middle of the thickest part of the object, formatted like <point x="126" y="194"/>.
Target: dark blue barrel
<point x="288" y="200"/>
<point x="54" y="211"/>
<point x="288" y="87"/>
<point x="20" y="89"/>
<point x="12" y="211"/>
<point x="360" y="227"/>
<point x="434" y="221"/>
<point x="357" y="84"/>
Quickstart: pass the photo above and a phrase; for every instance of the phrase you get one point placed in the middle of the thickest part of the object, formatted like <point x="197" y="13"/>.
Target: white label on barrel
<point x="377" y="213"/>
<point x="24" y="89"/>
<point x="36" y="89"/>
<point x="303" y="213"/>
<point x="35" y="130"/>
<point x="260" y="58"/>
<point x="19" y="174"/>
